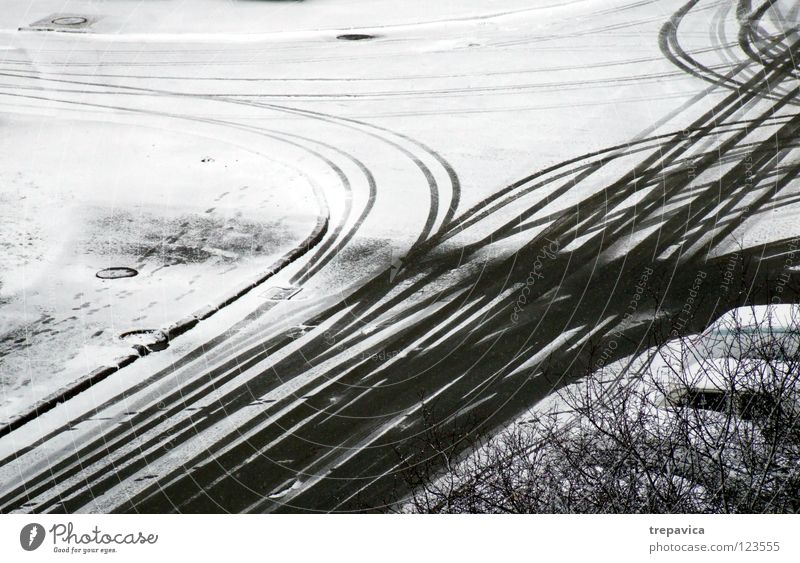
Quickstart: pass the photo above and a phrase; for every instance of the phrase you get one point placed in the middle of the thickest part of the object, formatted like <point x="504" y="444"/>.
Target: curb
<point x="165" y="335"/>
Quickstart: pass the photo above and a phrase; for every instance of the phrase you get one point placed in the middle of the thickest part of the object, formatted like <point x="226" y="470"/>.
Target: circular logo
<point x="31" y="536"/>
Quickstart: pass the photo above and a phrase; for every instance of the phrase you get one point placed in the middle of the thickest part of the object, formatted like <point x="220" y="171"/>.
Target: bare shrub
<point x="707" y="424"/>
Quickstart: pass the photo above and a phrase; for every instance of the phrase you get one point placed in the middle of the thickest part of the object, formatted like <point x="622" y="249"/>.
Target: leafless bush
<point x="702" y="424"/>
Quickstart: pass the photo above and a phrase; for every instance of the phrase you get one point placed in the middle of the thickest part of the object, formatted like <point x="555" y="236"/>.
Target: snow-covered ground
<point x="199" y="142"/>
<point x="217" y="19"/>
<point x="125" y="149"/>
<point x="189" y="213"/>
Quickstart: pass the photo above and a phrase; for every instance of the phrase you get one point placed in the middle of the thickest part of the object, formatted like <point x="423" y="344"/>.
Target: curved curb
<point x="166" y="335"/>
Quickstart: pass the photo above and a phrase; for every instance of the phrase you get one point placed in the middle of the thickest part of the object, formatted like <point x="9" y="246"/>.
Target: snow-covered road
<point x="495" y="180"/>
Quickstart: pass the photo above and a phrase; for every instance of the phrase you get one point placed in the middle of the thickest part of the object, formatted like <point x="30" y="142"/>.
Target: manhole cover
<point x="150" y="339"/>
<point x="140" y="335"/>
<point x="63" y="22"/>
<point x="116" y="273"/>
<point x="70" y="20"/>
<point x="355" y="36"/>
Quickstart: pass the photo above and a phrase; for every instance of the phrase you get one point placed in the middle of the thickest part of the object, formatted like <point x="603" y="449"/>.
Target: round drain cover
<point x="355" y="36"/>
<point x="116" y="273"/>
<point x="145" y="339"/>
<point x="69" y="20"/>
<point x="141" y="335"/>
